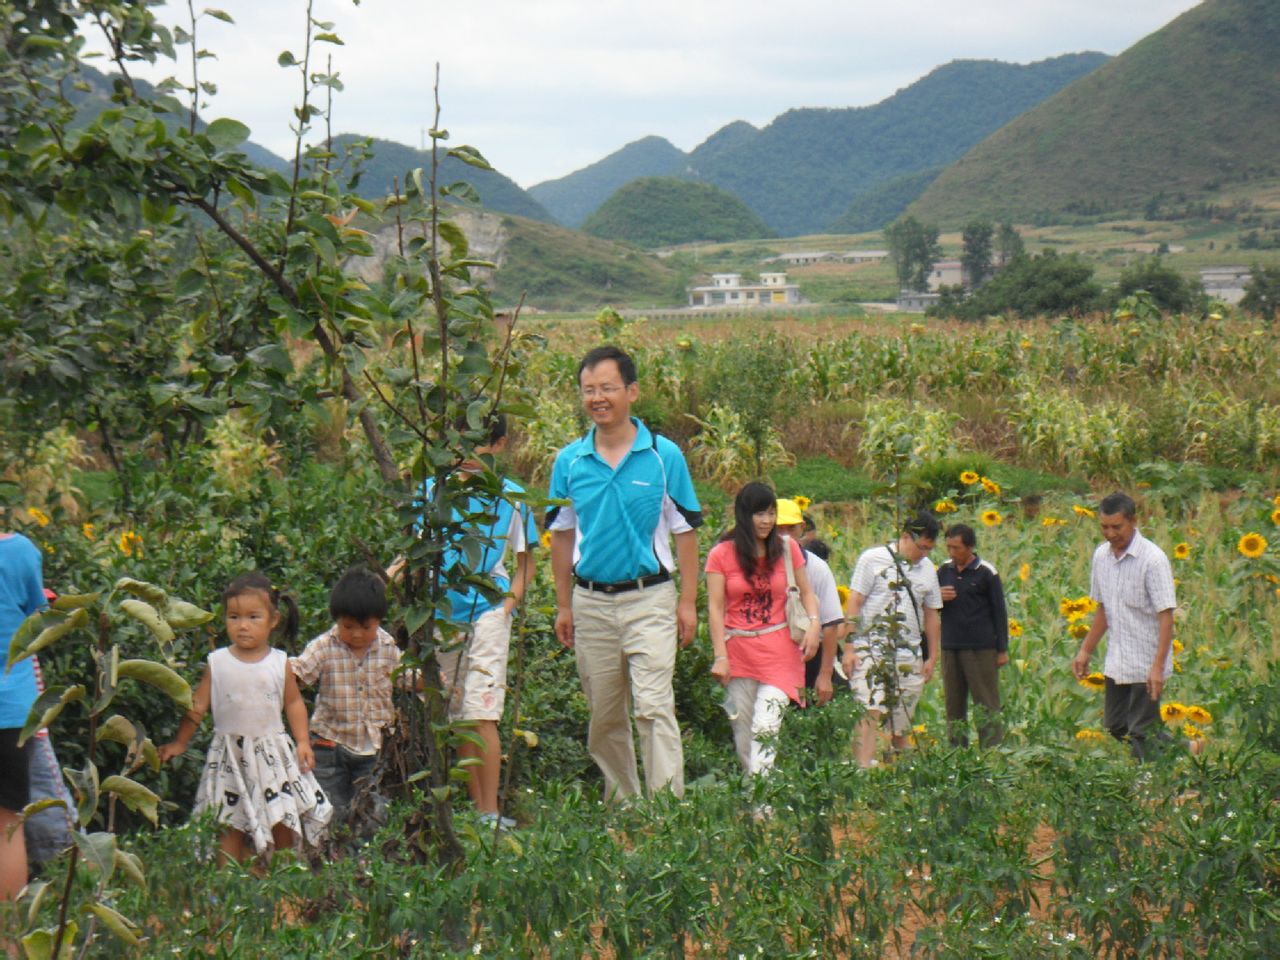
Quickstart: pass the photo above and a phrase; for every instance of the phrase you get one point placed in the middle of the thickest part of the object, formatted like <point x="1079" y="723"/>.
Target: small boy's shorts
<point x="475" y="672"/>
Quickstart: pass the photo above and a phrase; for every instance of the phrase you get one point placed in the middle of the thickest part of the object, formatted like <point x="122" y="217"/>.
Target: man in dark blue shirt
<point x="975" y="637"/>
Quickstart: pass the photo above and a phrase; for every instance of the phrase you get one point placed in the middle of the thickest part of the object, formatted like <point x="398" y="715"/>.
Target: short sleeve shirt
<point x="507" y="526"/>
<point x="874" y="576"/>
<point x="1133" y="589"/>
<point x="353" y="703"/>
<point x="823" y="582"/>
<point x="623" y="516"/>
<point x="756" y="601"/>
<point x="21" y="594"/>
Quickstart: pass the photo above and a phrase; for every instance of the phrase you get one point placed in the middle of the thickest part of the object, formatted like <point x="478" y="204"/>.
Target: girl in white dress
<point x="260" y="784"/>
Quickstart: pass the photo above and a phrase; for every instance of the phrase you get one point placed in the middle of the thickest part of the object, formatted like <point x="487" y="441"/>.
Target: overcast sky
<point x="545" y="87"/>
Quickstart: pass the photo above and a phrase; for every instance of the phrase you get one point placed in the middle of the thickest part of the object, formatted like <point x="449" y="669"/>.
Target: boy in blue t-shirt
<point x="474" y="668"/>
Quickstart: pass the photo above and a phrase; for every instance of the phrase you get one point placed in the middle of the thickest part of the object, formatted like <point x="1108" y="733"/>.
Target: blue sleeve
<point x="559" y="487"/>
<point x="35" y="599"/>
<point x="680" y="483"/>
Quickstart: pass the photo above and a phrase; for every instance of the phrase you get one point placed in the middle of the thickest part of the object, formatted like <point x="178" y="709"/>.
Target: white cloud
<point x="544" y="87"/>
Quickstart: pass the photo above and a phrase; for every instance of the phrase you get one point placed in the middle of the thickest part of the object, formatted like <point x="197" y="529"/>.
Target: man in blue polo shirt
<point x="628" y="492"/>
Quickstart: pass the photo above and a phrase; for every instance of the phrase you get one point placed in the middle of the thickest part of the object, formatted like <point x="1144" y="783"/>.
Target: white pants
<point x="760" y="708"/>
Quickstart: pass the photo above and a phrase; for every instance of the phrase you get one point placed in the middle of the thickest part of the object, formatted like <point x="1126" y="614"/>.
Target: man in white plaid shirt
<point x="1132" y="582"/>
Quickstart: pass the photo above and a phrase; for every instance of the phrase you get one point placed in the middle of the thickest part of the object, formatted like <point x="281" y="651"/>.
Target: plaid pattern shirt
<point x="1133" y="589"/>
<point x="353" y="704"/>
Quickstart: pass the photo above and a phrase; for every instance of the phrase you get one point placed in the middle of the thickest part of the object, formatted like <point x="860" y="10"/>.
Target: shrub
<point x="901" y="433"/>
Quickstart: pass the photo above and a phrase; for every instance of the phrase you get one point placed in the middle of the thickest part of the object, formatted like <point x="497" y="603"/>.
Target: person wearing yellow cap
<point x="817" y="672"/>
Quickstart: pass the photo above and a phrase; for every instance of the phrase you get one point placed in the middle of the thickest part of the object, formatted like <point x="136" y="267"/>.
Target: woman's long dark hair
<point x="752" y="499"/>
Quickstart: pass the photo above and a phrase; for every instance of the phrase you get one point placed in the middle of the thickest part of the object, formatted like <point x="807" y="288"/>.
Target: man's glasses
<point x="606" y="390"/>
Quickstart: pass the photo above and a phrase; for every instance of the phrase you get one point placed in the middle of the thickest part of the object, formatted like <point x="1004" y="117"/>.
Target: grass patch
<point x="823" y="480"/>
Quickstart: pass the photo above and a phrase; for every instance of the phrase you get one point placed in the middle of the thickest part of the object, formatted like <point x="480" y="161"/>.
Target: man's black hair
<point x="626" y="366"/>
<point x="1118" y="502"/>
<point x="818" y="548"/>
<point x="923" y="524"/>
<point x="360" y="594"/>
<point x="964" y="532"/>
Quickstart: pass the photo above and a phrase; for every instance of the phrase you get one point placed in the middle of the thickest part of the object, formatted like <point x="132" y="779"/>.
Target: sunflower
<point x="1094" y="681"/>
<point x="969" y="478"/>
<point x="1173" y="712"/>
<point x="87" y="530"/>
<point x="843" y="593"/>
<point x="1024" y="343"/>
<point x="991" y="518"/>
<point x="545" y="540"/>
<point x="1177" y="646"/>
<point x="944" y="506"/>
<point x="1024" y="572"/>
<point x="1079" y="630"/>
<point x="1199" y="715"/>
<point x="1015" y="628"/>
<point x="1275" y="516"/>
<point x="39" y="516"/>
<point x="1053" y="522"/>
<point x="1080" y="511"/>
<point x="1191" y="731"/>
<point x="802" y="502"/>
<point x="1276" y="500"/>
<point x="1088" y="734"/>
<point x="130" y="543"/>
<point x="991" y="486"/>
<point x="1252" y="545"/>
<point x="1182" y="551"/>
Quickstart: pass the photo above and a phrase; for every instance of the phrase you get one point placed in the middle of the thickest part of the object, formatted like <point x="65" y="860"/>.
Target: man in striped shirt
<point x="1132" y="582"/>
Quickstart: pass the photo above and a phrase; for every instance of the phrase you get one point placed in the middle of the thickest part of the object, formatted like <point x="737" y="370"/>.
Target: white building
<point x="945" y="273"/>
<point x="864" y="256"/>
<point x="1225" y="283"/>
<point x="804" y="258"/>
<point x="728" y="290"/>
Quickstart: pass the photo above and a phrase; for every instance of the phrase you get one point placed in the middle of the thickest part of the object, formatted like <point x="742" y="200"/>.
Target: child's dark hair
<point x="493" y="426"/>
<point x="280" y="602"/>
<point x="818" y="548"/>
<point x="360" y="593"/>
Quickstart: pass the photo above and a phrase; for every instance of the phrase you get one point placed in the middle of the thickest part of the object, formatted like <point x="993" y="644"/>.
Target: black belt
<point x="662" y="576"/>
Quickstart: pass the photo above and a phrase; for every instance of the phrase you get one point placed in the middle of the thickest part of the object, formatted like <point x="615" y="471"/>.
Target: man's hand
<point x="822" y="690"/>
<point x="812" y="640"/>
<point x="948" y="594"/>
<point x="849" y="661"/>
<point x="564" y="627"/>
<point x="1155" y="681"/>
<point x="1002" y="658"/>
<point x="926" y="670"/>
<point x="686" y="621"/>
<point x="1080" y="665"/>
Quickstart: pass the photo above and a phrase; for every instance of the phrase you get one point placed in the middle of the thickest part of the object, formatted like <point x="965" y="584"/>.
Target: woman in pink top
<point x="746" y="598"/>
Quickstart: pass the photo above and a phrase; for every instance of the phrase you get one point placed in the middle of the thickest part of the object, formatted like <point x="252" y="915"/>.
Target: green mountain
<point x="883" y="204"/>
<point x="97" y="98"/>
<point x="1191" y="107"/>
<point x="393" y="160"/>
<point x="560" y="269"/>
<point x="808" y="166"/>
<point x="661" y="211"/>
<point x="572" y="198"/>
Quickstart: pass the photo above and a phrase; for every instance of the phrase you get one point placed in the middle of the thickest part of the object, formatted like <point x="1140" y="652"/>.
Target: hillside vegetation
<point x="1187" y="109"/>
<point x="572" y="198"/>
<point x="393" y="160"/>
<point x="804" y="169"/>
<point x="660" y="211"/>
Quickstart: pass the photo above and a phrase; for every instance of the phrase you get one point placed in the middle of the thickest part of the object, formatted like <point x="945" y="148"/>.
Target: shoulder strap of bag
<point x="906" y="580"/>
<point x="791" y="570"/>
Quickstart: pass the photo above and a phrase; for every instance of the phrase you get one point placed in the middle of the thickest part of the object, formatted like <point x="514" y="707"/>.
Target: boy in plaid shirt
<point x="352" y="662"/>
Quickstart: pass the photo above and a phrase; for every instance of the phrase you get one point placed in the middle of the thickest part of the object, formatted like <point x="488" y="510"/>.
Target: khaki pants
<point x="625" y="646"/>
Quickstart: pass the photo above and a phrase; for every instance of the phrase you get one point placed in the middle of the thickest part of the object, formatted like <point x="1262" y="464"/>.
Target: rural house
<point x="728" y="290"/>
